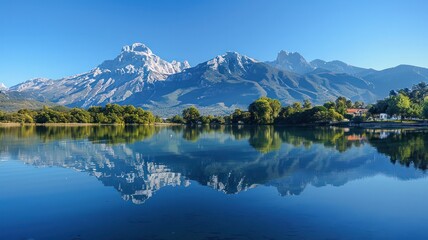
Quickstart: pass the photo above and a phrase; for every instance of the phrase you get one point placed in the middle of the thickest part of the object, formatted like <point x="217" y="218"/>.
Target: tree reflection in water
<point x="139" y="160"/>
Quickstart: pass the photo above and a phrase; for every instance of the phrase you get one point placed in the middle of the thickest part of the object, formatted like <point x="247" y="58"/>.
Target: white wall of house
<point x="383" y="116"/>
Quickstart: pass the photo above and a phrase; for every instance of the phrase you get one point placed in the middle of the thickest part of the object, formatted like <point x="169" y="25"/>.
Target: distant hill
<point x="341" y="67"/>
<point x="13" y="101"/>
<point x="402" y="76"/>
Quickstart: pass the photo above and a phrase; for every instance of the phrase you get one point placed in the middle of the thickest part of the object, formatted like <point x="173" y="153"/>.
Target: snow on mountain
<point x="233" y="80"/>
<point x="32" y="84"/>
<point x="215" y="69"/>
<point x="137" y="76"/>
<point x="230" y="60"/>
<point x="138" y="58"/>
<point x="2" y="86"/>
<point x="133" y="70"/>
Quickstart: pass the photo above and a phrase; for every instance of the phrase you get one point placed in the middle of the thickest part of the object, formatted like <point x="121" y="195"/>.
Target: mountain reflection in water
<point x="139" y="160"/>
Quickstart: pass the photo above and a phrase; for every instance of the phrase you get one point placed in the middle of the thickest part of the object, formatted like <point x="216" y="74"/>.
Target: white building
<point x="383" y="116"/>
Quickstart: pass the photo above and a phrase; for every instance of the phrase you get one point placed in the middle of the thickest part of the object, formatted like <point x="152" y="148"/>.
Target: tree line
<point x="267" y="111"/>
<point x="110" y="114"/>
<point x="405" y="103"/>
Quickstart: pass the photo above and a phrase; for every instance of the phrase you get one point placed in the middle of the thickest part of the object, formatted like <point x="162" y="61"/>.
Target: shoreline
<point x="376" y="125"/>
<point x="11" y="124"/>
<point x="367" y="125"/>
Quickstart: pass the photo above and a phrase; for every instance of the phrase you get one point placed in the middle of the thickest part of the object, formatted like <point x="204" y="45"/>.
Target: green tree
<point x="329" y="105"/>
<point x="415" y="110"/>
<point x="79" y="115"/>
<point x="131" y="119"/>
<point x="399" y="104"/>
<point x="261" y="111"/>
<point x="177" y="119"/>
<point x="218" y="120"/>
<point x="191" y="115"/>
<point x="297" y="107"/>
<point x="342" y="104"/>
<point x="236" y="116"/>
<point x="425" y="109"/>
<point x="307" y="104"/>
<point x="206" y="119"/>
<point x="158" y="119"/>
<point x="358" y="104"/>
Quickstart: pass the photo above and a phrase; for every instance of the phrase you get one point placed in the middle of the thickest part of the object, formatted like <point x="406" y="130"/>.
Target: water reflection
<point x="137" y="161"/>
<point x="405" y="147"/>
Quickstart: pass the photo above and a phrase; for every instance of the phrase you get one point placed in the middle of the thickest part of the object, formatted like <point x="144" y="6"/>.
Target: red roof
<point x="356" y="110"/>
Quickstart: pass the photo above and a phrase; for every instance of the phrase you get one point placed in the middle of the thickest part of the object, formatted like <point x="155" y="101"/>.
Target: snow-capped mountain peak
<point x="137" y="48"/>
<point x="138" y="58"/>
<point x="133" y="70"/>
<point x="230" y="59"/>
<point x="2" y="86"/>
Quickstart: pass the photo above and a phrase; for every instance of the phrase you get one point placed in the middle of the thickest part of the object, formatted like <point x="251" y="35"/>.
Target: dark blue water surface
<point x="212" y="183"/>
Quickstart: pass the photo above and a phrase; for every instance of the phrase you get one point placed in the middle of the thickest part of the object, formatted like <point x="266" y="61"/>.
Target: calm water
<point x="212" y="183"/>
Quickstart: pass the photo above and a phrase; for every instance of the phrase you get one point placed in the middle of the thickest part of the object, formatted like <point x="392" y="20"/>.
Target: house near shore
<point x="357" y="111"/>
<point x="383" y="116"/>
<point x="386" y="117"/>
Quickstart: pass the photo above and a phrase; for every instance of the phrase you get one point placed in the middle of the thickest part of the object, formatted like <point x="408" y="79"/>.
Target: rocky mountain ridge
<point x="137" y="76"/>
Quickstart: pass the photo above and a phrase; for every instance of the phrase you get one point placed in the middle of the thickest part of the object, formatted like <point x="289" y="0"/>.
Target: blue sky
<point x="55" y="39"/>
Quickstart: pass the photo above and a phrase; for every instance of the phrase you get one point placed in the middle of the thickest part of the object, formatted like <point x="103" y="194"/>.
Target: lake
<point x="116" y="182"/>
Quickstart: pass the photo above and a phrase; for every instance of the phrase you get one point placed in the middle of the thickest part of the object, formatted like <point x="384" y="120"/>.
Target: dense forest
<point x="405" y="103"/>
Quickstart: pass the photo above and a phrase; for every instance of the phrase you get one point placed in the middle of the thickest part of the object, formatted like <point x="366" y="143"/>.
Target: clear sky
<point x="59" y="38"/>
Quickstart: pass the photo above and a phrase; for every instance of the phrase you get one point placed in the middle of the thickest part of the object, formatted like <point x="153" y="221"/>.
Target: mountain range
<point x="138" y="76"/>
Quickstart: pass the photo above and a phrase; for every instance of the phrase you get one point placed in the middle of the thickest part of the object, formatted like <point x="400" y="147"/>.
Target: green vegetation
<point x="110" y="114"/>
<point x="405" y="103"/>
<point x="264" y="110"/>
<point x="191" y="115"/>
<point x="267" y="111"/>
<point x="14" y="101"/>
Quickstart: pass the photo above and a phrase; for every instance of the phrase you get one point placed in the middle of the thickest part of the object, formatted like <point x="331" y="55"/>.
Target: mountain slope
<point x="112" y="81"/>
<point x="14" y="101"/>
<point x="137" y="76"/>
<point x="341" y="67"/>
<point x="402" y="76"/>
<point x="292" y="62"/>
<point x="233" y="80"/>
<point x="2" y="86"/>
